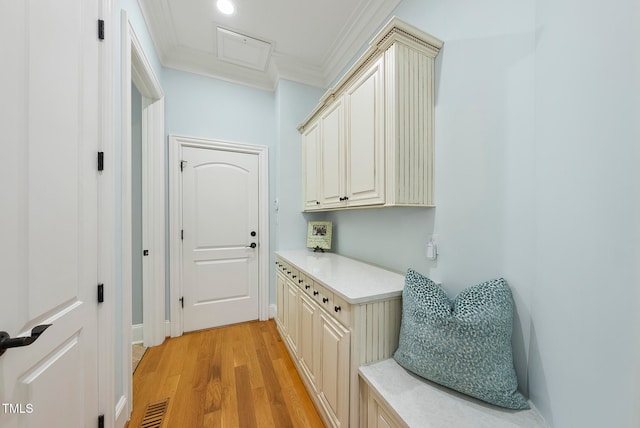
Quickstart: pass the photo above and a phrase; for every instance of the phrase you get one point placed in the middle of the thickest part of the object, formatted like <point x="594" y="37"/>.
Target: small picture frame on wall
<point x="319" y="235"/>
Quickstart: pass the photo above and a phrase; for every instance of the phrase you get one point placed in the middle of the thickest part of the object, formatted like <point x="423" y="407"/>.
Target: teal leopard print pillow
<point x="465" y="344"/>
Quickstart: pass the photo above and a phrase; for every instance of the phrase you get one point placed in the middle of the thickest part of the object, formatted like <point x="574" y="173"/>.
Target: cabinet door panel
<point x="308" y="343"/>
<point x="311" y="170"/>
<point x="365" y="138"/>
<point x="334" y="369"/>
<point x="333" y="163"/>
<point x="291" y="315"/>
<point x="280" y="293"/>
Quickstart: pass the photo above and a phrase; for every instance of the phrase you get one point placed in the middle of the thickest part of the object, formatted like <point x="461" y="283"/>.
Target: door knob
<point x="6" y="342"/>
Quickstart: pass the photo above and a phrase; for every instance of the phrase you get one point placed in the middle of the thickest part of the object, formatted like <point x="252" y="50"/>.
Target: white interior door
<point x="220" y="226"/>
<point x="48" y="188"/>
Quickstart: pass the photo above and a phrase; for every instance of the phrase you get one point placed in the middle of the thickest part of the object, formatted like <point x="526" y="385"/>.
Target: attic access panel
<point x="243" y="50"/>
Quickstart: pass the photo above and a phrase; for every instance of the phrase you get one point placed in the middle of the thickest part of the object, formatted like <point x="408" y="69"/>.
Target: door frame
<point x="136" y="68"/>
<point x="106" y="225"/>
<point x="176" y="144"/>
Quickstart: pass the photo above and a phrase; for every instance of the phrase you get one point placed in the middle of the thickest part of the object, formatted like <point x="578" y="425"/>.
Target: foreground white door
<point x="220" y="246"/>
<point x="48" y="220"/>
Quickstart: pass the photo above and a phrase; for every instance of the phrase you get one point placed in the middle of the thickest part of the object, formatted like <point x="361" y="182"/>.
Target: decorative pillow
<point x="465" y="344"/>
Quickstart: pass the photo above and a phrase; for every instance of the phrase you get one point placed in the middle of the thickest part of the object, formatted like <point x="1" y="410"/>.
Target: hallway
<point x="235" y="376"/>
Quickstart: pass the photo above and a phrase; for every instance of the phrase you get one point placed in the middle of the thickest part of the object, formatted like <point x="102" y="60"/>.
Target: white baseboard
<point x="121" y="414"/>
<point x="137" y="333"/>
<point x="272" y="311"/>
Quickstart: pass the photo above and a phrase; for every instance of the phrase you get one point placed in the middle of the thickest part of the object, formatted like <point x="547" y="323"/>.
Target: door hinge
<point x="145" y="252"/>
<point x="182" y="235"/>
<point x="101" y="421"/>
<point x="101" y="29"/>
<point x="100" y="293"/>
<point x="100" y="161"/>
<point x="182" y="302"/>
<point x="183" y="164"/>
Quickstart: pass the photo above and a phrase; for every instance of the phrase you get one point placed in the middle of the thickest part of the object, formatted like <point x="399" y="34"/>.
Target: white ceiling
<point x="265" y="40"/>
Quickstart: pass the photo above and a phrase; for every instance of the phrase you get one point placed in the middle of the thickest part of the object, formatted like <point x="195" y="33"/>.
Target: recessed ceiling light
<point x="226" y="6"/>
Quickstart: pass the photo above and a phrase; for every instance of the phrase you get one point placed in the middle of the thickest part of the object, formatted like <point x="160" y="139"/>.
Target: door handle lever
<point x="6" y="342"/>
<point x="253" y="245"/>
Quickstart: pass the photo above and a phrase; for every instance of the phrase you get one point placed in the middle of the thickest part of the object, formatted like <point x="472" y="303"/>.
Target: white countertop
<point x="352" y="280"/>
<point x="425" y="404"/>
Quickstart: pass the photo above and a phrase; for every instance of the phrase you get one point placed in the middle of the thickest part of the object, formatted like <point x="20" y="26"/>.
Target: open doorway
<point x="150" y="258"/>
<point x="137" y="308"/>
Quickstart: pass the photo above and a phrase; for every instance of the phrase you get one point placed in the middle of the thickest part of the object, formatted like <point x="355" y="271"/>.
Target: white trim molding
<point x="176" y="143"/>
<point x="137" y="69"/>
<point x="107" y="223"/>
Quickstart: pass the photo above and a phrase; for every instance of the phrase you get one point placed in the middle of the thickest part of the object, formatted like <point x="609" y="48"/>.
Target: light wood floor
<point x="236" y="376"/>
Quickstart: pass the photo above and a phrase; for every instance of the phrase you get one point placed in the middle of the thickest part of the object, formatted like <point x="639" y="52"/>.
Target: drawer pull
<point x="315" y="293"/>
<point x="325" y="299"/>
<point x="337" y="308"/>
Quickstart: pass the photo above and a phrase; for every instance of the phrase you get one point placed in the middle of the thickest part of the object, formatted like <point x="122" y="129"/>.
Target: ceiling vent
<point x="243" y="50"/>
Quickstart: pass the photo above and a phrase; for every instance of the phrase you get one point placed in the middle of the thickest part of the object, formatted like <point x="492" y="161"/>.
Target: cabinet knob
<point x="306" y="287"/>
<point x="315" y="293"/>
<point x="294" y="276"/>
<point x="337" y="308"/>
<point x="317" y="202"/>
<point x="300" y="281"/>
<point x="325" y="299"/>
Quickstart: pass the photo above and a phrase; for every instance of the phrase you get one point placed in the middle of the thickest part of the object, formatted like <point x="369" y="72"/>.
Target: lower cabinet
<point x="329" y="339"/>
<point x="308" y="355"/>
<point x="334" y="369"/>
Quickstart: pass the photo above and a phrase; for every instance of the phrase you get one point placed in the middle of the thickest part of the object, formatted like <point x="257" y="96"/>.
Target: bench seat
<point x="395" y="397"/>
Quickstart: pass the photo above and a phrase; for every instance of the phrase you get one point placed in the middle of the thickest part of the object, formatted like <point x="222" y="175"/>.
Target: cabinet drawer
<point x="341" y="310"/>
<point x="283" y="266"/>
<point x="306" y="284"/>
<point x="293" y="274"/>
<point x="324" y="297"/>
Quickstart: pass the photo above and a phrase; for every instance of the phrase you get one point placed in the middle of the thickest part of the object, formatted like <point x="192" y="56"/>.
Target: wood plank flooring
<point x="235" y="376"/>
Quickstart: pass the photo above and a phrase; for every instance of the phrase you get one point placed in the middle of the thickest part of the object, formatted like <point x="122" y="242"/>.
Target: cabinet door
<point x="334" y="370"/>
<point x="332" y="160"/>
<point x="311" y="171"/>
<point x="308" y="342"/>
<point x="280" y="306"/>
<point x="364" y="103"/>
<point x="378" y="417"/>
<point x="291" y="314"/>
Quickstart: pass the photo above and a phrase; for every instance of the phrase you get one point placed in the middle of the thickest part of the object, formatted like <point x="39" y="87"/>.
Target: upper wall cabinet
<point x="369" y="142"/>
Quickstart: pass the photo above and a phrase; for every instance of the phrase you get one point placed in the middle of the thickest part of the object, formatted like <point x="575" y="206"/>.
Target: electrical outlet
<point x="432" y="247"/>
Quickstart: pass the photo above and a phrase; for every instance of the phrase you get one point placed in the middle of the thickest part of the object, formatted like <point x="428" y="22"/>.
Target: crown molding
<point x="351" y="40"/>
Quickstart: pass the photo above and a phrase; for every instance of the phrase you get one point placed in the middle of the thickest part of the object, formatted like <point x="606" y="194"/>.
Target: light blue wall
<point x="484" y="143"/>
<point x="294" y="101"/>
<point x="585" y="303"/>
<point x="537" y="180"/>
